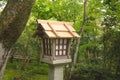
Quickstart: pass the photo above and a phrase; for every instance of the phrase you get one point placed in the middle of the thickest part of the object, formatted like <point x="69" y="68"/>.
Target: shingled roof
<point x="57" y="29"/>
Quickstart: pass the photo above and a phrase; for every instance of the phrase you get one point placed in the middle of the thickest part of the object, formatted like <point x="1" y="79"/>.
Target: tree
<point x="111" y="33"/>
<point x="78" y="41"/>
<point x="12" y="22"/>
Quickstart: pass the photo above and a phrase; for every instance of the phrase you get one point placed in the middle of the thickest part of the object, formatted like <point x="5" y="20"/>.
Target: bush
<point x="92" y="72"/>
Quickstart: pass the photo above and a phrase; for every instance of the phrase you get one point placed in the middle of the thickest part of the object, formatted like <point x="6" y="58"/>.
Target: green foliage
<point x="92" y="72"/>
<point x="58" y="10"/>
<point x="110" y="37"/>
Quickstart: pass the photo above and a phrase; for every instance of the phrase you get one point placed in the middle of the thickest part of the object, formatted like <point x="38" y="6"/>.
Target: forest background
<point x="98" y="53"/>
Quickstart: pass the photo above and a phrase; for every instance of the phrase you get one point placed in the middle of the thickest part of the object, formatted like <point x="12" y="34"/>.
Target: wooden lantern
<point x="56" y="38"/>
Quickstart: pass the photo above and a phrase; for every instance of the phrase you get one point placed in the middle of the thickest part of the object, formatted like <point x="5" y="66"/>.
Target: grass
<point x="11" y="74"/>
<point x="31" y="72"/>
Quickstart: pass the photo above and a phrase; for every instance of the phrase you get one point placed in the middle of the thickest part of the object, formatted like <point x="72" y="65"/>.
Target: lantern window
<point x="47" y="46"/>
<point x="61" y="47"/>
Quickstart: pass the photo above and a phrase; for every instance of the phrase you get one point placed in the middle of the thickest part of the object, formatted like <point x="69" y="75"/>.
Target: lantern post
<point x="56" y="39"/>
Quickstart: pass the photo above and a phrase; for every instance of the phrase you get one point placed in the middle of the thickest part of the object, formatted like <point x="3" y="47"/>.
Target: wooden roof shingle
<point x="57" y="29"/>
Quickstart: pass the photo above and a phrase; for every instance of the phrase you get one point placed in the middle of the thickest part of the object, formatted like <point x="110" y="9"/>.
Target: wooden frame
<point x="54" y="48"/>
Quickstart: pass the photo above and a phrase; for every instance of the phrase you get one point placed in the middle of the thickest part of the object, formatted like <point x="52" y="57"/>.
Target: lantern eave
<point x="57" y="61"/>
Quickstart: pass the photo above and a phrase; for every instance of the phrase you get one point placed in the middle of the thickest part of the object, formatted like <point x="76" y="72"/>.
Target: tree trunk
<point x="12" y="22"/>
